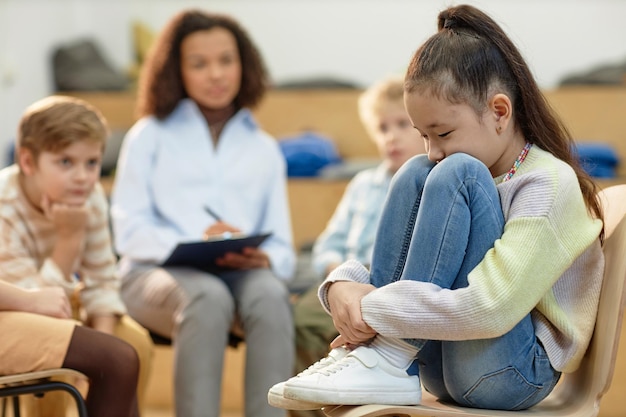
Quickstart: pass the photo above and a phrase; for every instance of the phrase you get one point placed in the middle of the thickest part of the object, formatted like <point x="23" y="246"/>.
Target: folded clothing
<point x="598" y="159"/>
<point x="307" y="153"/>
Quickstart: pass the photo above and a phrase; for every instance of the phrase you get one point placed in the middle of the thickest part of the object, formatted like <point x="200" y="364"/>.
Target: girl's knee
<point x="414" y="171"/>
<point x="461" y="161"/>
<point x="459" y="167"/>
<point x="418" y="165"/>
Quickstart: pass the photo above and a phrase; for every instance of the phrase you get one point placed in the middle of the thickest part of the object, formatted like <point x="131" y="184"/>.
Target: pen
<point x="212" y="213"/>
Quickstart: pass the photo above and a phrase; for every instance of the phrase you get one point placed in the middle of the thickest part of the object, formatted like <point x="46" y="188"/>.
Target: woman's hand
<point x="249" y="258"/>
<point x="219" y="228"/>
<point x="344" y="299"/>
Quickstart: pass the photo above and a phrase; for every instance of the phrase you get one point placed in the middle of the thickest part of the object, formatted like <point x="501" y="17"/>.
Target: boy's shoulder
<point x="376" y="175"/>
<point x="9" y="184"/>
<point x="98" y="199"/>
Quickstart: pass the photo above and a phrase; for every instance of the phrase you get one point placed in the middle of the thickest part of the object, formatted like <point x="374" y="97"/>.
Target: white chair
<point x="578" y="394"/>
<point x="38" y="383"/>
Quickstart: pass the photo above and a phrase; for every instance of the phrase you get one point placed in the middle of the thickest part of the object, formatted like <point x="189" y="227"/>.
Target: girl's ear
<point x="502" y="110"/>
<point x="26" y="161"/>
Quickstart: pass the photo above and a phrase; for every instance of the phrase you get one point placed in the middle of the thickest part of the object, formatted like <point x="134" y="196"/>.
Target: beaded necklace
<point x="518" y="162"/>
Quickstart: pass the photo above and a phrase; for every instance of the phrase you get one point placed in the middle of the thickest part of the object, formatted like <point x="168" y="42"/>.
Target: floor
<point x="163" y="412"/>
<point x="148" y="412"/>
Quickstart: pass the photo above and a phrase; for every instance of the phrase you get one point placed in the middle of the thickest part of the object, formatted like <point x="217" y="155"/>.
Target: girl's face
<point x="448" y="128"/>
<point x="396" y="139"/>
<point x="65" y="177"/>
<point x="211" y="67"/>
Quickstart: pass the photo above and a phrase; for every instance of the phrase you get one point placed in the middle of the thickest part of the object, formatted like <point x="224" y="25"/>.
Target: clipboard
<point x="202" y="254"/>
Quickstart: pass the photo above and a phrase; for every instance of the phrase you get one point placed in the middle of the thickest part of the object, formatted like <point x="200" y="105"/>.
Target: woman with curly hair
<point x="195" y="165"/>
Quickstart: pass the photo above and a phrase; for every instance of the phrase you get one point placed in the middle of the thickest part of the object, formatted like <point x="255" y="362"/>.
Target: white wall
<point x="356" y="40"/>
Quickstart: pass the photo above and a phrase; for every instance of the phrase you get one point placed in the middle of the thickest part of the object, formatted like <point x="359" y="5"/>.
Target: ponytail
<point x="470" y="59"/>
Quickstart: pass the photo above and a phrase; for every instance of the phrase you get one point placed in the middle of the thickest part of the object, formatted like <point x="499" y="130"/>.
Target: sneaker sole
<point x="352" y="398"/>
<point x="280" y="401"/>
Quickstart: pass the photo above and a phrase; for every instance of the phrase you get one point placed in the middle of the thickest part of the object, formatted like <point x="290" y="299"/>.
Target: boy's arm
<point x="49" y="301"/>
<point x="21" y="262"/>
<point x="70" y="223"/>
<point x="97" y="270"/>
<point x="330" y="247"/>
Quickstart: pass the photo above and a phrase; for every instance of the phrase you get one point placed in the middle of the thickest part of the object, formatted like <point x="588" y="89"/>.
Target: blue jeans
<point x="437" y="224"/>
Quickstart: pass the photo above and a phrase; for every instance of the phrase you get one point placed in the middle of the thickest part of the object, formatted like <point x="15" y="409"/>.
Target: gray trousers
<point x="196" y="309"/>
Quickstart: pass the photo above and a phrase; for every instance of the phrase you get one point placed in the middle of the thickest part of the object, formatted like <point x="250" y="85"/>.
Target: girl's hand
<point x="250" y="258"/>
<point x="341" y="341"/>
<point x="49" y="301"/>
<point x="344" y="299"/>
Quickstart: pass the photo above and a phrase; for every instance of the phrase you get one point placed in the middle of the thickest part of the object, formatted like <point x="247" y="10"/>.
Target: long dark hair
<point x="161" y="85"/>
<point x="469" y="59"/>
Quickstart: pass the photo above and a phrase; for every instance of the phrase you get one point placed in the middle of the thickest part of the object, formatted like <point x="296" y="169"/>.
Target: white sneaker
<point x="362" y="377"/>
<point x="275" y="395"/>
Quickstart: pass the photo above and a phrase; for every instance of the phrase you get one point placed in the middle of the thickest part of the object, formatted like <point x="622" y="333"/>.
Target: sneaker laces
<point x="317" y="366"/>
<point x="337" y="366"/>
<point x="362" y="354"/>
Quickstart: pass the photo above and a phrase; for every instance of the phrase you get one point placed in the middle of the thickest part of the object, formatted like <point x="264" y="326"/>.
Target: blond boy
<point x="54" y="228"/>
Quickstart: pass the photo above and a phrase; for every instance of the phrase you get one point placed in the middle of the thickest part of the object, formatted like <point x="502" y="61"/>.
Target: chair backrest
<point x="593" y="378"/>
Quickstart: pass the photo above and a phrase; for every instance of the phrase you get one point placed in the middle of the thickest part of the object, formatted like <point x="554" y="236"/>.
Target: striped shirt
<point x="351" y="230"/>
<point x="27" y="239"/>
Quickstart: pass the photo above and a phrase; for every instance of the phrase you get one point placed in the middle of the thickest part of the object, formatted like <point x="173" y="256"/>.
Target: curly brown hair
<point x="161" y="85"/>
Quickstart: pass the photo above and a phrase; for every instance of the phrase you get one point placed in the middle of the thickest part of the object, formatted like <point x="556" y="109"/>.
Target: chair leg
<point x="4" y="407"/>
<point x="43" y="387"/>
<point x="16" y="406"/>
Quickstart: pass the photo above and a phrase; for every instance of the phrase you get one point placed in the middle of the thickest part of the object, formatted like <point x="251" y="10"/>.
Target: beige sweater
<point x="27" y="239"/>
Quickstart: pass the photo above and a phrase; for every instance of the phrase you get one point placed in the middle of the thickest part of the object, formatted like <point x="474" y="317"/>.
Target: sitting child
<point x="54" y="224"/>
<point x="487" y="265"/>
<point x="37" y="336"/>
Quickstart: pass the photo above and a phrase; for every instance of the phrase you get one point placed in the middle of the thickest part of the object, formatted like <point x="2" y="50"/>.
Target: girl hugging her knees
<point x="483" y="246"/>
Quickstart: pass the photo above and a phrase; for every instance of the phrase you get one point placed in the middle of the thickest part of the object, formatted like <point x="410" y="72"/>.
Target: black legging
<point x="112" y="367"/>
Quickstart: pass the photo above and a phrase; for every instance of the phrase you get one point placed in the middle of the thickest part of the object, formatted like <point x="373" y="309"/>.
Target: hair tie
<point x="449" y="23"/>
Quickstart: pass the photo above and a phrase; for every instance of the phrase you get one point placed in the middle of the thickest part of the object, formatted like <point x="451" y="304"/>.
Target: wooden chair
<point x="38" y="383"/>
<point x="578" y="394"/>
